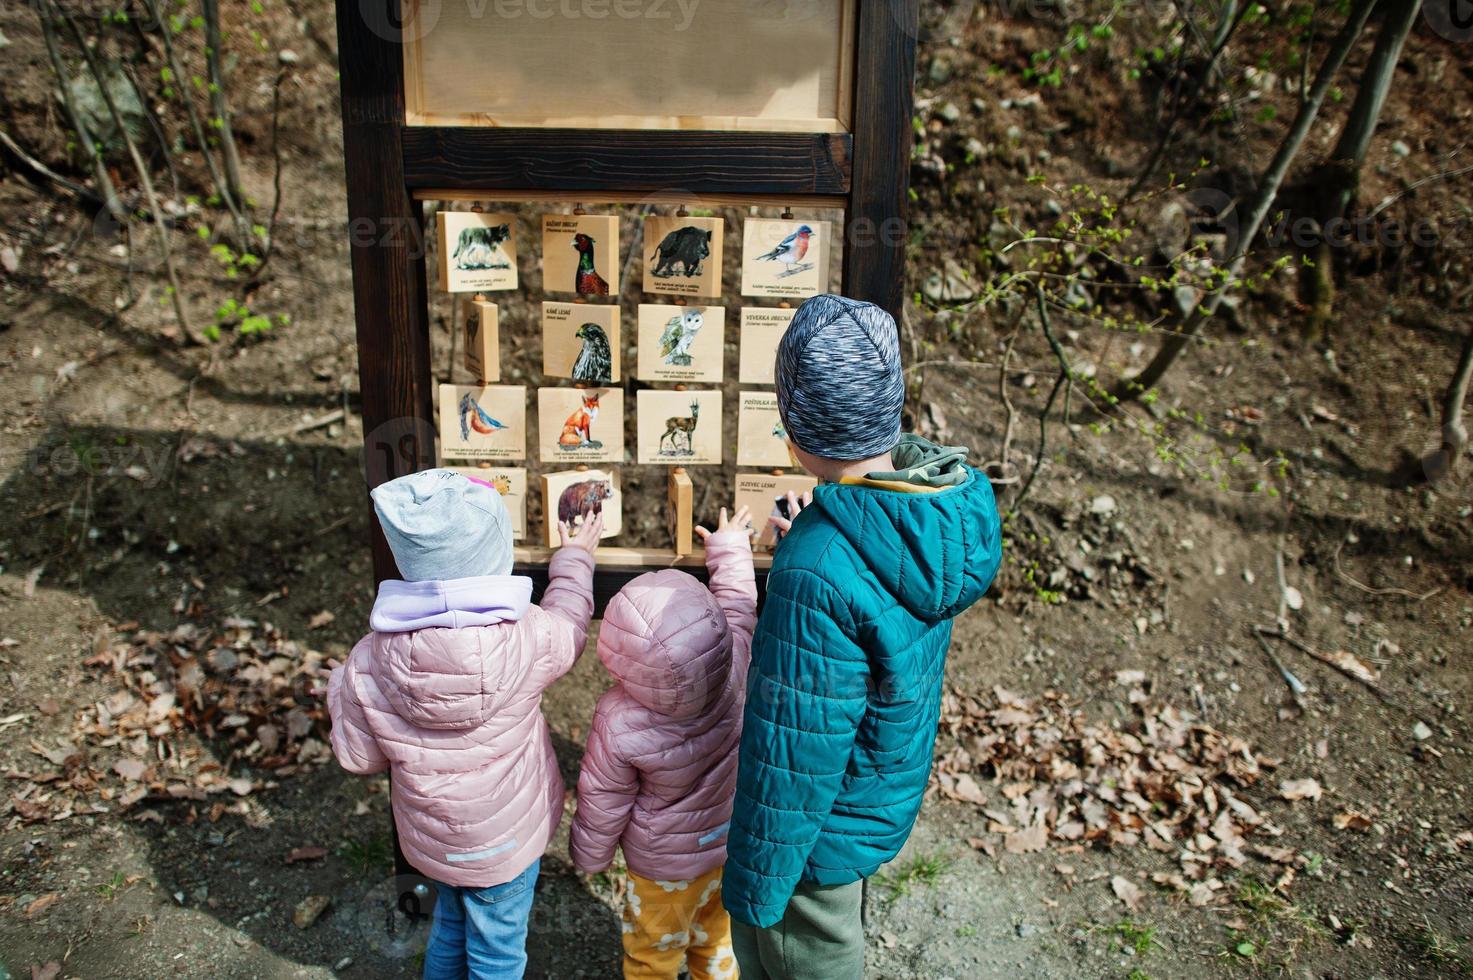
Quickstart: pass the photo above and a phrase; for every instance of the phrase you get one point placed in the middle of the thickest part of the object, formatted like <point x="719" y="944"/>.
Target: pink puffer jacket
<point x="447" y="692"/>
<point x="659" y="771"/>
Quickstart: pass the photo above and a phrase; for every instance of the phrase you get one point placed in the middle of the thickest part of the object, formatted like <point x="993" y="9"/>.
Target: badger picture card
<point x="762" y="329"/>
<point x="581" y="341"/>
<point x="483" y="422"/>
<point x="478" y="251"/>
<point x="580" y="425"/>
<point x="577" y="495"/>
<point x="767" y="497"/>
<point x="785" y="258"/>
<point x="580" y="254"/>
<point x="679" y="428"/>
<point x="511" y="484"/>
<point x="681" y="343"/>
<point x="682" y="256"/>
<point x="761" y="438"/>
<point x="481" y="330"/>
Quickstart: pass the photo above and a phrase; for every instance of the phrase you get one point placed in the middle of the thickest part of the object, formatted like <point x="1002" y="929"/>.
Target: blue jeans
<point x="481" y="933"/>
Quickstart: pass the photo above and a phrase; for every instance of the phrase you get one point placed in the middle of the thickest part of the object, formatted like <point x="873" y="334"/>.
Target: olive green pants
<point x="820" y="937"/>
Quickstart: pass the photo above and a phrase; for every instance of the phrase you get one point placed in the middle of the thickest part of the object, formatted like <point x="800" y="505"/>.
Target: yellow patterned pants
<point x="666" y="922"/>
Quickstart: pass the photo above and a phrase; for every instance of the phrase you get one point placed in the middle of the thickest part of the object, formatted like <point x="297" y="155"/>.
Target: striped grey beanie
<point x="839" y="384"/>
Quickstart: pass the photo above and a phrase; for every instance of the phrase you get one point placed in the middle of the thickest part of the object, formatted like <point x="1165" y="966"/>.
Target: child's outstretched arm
<point x="569" y="596"/>
<point x="607" y="786"/>
<point x="734" y="582"/>
<point x="353" y="742"/>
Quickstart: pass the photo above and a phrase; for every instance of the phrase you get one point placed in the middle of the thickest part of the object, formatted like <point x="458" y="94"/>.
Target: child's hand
<point x="740" y="521"/>
<point x="795" y="506"/>
<point x="586" y="537"/>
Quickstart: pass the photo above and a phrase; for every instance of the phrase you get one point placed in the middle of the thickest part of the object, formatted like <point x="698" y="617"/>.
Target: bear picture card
<point x="682" y="256"/>
<point x="478" y="251"/>
<point x="483" y="422"/>
<point x="581" y="341"/>
<point x="576" y="495"/>
<point x="681" y="343"/>
<point x="580" y="425"/>
<point x="785" y="258"/>
<point x="580" y="254"/>
<point x="762" y="329"/>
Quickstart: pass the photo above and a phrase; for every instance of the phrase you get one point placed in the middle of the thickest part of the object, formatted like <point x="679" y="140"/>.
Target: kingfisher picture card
<point x="483" y="422"/>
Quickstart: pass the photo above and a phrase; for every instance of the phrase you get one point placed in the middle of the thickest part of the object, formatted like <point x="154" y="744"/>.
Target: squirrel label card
<point x="785" y="258"/>
<point x="580" y="254"/>
<point x="580" y="425"/>
<point x="681" y="343"/>
<point x="682" y="256"/>
<point x="767" y="497"/>
<point x="762" y="330"/>
<point x="487" y="422"/>
<point x="478" y="251"/>
<point x="482" y="339"/>
<point x="511" y="484"/>
<point x="761" y="438"/>
<point x="581" y="341"/>
<point x="679" y="428"/>
<point x="575" y="496"/>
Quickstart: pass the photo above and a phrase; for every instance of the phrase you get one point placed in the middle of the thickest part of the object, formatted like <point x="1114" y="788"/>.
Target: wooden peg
<point x="476" y="207"/>
<point x="787" y="213"/>
<point x="778" y="472"/>
<point x="784" y="305"/>
<point x="578" y="209"/>
<point x="682" y="213"/>
<point x="680" y="301"/>
<point x="581" y="467"/>
<point x="682" y="496"/>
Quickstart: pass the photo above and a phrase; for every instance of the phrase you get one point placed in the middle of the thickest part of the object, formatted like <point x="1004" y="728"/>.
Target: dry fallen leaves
<point x="1128" y="892"/>
<point x="1350" y="820"/>
<point x="306" y="854"/>
<point x="1300" y="789"/>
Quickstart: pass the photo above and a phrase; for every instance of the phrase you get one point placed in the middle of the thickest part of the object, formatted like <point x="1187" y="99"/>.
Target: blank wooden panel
<point x="655" y="64"/>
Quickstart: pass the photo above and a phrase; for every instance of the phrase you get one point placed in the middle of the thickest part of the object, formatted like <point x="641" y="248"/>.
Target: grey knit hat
<point x="839" y="384"/>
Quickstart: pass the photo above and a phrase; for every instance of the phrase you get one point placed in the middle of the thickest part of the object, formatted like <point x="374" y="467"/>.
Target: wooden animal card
<point x="785" y="258"/>
<point x="581" y="341"/>
<point x="580" y="425"/>
<point x="481" y="332"/>
<point x="575" y="496"/>
<point x="483" y="422"/>
<point x="682" y="256"/>
<point x="762" y="330"/>
<point x="679" y="428"/>
<point x="580" y="254"/>
<point x="767" y="496"/>
<point x="681" y="343"/>
<point x="761" y="438"/>
<point x="478" y="251"/>
<point x="511" y="484"/>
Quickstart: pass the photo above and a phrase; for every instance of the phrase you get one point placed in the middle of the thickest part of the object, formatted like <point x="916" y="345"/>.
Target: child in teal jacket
<point x="844" y="694"/>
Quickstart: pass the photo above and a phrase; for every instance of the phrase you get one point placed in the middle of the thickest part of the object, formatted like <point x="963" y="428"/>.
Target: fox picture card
<point x="483" y="422"/>
<point x="581" y="341"/>
<point x="481" y="329"/>
<point x="679" y="428"/>
<point x="767" y="496"/>
<point x="761" y="438"/>
<point x="682" y="256"/>
<point x="681" y="343"/>
<point x="575" y="496"/>
<point x="580" y="254"/>
<point x="762" y="330"/>
<point x="511" y="484"/>
<point x="580" y="425"/>
<point x="478" y="251"/>
<point x="785" y="258"/>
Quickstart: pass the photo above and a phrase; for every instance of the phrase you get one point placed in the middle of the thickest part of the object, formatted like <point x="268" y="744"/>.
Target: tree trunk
<point x="214" y="59"/>
<point x="1445" y="461"/>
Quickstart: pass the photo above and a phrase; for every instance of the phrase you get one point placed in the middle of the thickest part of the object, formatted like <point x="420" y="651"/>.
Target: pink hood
<point x="447" y="692"/>
<point x="659" y="770"/>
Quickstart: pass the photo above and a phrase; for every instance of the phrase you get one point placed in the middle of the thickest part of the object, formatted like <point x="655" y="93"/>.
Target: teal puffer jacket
<point x="844" y="694"/>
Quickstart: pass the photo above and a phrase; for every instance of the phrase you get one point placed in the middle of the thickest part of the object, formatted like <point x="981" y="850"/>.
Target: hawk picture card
<point x="580" y="254"/>
<point x="679" y="428"/>
<point x="478" y="251"/>
<point x="682" y="256"/>
<point x="681" y="343"/>
<point x="580" y="425"/>
<point x="761" y="438"/>
<point x="785" y="258"/>
<point x="511" y="484"/>
<point x="481" y="331"/>
<point x="575" y="496"/>
<point x="581" y="341"/>
<point x="483" y="422"/>
<point x="766" y="496"/>
<point x="762" y="329"/>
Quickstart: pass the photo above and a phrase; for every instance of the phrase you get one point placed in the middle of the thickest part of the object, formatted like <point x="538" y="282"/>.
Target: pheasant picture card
<point x="483" y="422"/>
<point x="481" y="331"/>
<point x="767" y="496"/>
<point x="682" y="256"/>
<point x="580" y="254"/>
<point x="577" y="495"/>
<point x="785" y="258"/>
<point x="762" y="329"/>
<point x="478" y="251"/>
<point x="681" y="343"/>
<point x="679" y="428"/>
<point x="761" y="438"/>
<point x="511" y="484"/>
<point x="580" y="425"/>
<point x="581" y="341"/>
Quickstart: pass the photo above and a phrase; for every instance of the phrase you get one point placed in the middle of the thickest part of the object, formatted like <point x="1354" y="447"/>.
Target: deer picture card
<point x="762" y="330"/>
<point x="580" y="254"/>
<point x="483" y="422"/>
<point x="511" y="484"/>
<point x="682" y="256"/>
<point x="681" y="343"/>
<point x="581" y="341"/>
<point x="481" y="330"/>
<point x="785" y="258"/>
<point x="767" y="496"/>
<point x="679" y="428"/>
<point x="575" y="496"/>
<point x="478" y="251"/>
<point x="761" y="438"/>
<point x="580" y="425"/>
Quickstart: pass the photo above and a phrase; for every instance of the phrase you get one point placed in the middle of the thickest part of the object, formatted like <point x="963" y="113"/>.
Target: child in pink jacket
<point x="659" y="771"/>
<point x="446" y="693"/>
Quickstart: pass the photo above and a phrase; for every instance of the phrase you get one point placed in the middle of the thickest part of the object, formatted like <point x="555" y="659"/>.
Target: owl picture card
<point x="762" y="329"/>
<point x="581" y="341"/>
<point x="577" y="496"/>
<point x="478" y="251"/>
<point x="785" y="258"/>
<point x="511" y="484"/>
<point x="483" y="422"/>
<point x="682" y="256"/>
<point x="580" y="425"/>
<point x="681" y="343"/>
<point x="580" y="254"/>
<point x="761" y="438"/>
<point x="679" y="428"/>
